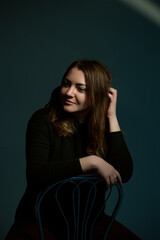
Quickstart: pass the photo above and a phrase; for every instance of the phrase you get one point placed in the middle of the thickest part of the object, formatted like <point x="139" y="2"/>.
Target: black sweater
<point x="51" y="157"/>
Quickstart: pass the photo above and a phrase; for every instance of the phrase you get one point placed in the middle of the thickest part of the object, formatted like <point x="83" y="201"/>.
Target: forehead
<point x="76" y="76"/>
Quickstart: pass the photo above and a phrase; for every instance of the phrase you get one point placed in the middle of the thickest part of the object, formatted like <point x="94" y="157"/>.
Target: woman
<point x="77" y="132"/>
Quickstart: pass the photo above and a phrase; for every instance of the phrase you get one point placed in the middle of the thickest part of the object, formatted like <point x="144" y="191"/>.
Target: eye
<point x="66" y="83"/>
<point x="80" y="89"/>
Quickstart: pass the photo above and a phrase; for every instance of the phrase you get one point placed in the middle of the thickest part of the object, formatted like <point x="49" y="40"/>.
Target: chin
<point x="69" y="109"/>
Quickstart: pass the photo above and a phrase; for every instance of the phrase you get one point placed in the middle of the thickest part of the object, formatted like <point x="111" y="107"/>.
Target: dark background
<point x="38" y="40"/>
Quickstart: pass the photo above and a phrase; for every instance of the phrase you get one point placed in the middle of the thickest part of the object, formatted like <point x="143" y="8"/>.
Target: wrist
<point x="90" y="163"/>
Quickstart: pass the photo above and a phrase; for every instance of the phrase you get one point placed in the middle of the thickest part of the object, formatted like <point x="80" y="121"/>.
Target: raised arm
<point x="118" y="162"/>
<point x="111" y="113"/>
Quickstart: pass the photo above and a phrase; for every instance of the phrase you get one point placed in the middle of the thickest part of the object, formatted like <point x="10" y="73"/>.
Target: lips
<point x="68" y="102"/>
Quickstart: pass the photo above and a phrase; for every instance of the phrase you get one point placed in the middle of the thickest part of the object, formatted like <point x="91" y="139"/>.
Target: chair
<point x="79" y="214"/>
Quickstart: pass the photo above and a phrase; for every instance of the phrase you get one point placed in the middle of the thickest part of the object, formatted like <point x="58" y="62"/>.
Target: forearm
<point x="98" y="165"/>
<point x="118" y="157"/>
<point x="111" y="113"/>
<point x="43" y="174"/>
<point x="113" y="124"/>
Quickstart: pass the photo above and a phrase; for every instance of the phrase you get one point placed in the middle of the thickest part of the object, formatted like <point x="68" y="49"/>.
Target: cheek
<point x="62" y="92"/>
<point x="85" y="103"/>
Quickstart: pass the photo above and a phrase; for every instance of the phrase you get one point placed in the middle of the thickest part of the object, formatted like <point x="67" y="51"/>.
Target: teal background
<point x="38" y="40"/>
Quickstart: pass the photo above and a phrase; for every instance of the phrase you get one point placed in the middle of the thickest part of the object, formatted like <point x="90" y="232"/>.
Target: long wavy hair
<point x="98" y="80"/>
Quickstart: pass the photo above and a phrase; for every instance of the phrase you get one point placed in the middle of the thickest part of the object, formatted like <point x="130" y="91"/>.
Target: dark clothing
<point x="23" y="230"/>
<point x="51" y="157"/>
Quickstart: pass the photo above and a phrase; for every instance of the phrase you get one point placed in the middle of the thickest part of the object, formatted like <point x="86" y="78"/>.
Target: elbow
<point x="127" y="172"/>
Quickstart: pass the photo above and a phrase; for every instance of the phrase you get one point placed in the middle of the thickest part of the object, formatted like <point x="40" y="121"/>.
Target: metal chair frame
<point x="78" y="181"/>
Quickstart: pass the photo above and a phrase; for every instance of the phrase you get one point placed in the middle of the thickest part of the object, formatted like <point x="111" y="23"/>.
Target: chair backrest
<point x="76" y="199"/>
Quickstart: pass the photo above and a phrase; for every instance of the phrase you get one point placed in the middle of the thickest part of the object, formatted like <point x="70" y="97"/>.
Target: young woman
<point x="77" y="132"/>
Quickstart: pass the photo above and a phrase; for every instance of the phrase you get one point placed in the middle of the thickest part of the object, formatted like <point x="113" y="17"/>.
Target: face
<point x="74" y="93"/>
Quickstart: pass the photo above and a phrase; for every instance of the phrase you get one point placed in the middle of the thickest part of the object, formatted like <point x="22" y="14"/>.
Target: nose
<point x="71" y="92"/>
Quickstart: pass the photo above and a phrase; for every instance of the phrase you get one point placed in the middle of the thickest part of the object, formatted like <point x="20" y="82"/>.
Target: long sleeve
<point x="47" y="154"/>
<point x="51" y="157"/>
<point x="119" y="155"/>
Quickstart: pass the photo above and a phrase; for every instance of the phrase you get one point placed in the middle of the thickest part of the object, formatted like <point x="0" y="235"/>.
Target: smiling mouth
<point x="68" y="102"/>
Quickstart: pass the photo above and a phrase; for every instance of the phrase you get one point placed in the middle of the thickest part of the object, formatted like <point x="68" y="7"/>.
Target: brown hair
<point x="98" y="80"/>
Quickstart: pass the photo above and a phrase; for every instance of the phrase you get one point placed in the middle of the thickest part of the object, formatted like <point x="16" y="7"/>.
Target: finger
<point x="108" y="184"/>
<point x="113" y="91"/>
<point x="112" y="96"/>
<point x="119" y="177"/>
<point x="112" y="179"/>
<point x="115" y="179"/>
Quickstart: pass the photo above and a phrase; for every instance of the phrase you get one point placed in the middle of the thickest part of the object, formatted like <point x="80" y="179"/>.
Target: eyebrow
<point x="79" y="84"/>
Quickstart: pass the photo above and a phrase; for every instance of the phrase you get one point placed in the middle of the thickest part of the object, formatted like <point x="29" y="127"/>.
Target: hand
<point x="111" y="113"/>
<point x="104" y="169"/>
<point x="108" y="172"/>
